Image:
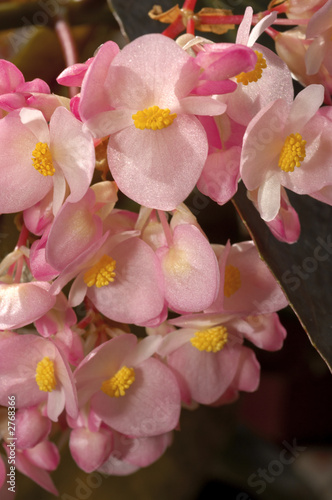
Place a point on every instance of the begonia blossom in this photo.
(151, 120)
(247, 286)
(129, 389)
(287, 146)
(43, 376)
(59, 156)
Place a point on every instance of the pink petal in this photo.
(136, 294)
(94, 93)
(31, 427)
(90, 449)
(35, 473)
(220, 176)
(16, 163)
(150, 407)
(73, 151)
(23, 303)
(74, 229)
(190, 269)
(10, 77)
(145, 163)
(245, 27)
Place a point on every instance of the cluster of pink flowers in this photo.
(162, 116)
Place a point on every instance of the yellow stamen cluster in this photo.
(153, 118)
(232, 280)
(45, 375)
(256, 73)
(210, 340)
(292, 153)
(119, 383)
(42, 159)
(102, 273)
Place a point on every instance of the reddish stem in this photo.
(166, 228)
(191, 26)
(22, 239)
(68, 47)
(272, 32)
(174, 29)
(189, 5)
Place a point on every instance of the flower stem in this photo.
(68, 47)
(166, 228)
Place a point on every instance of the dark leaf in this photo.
(133, 16)
(303, 269)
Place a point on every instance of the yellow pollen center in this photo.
(210, 340)
(232, 280)
(102, 273)
(292, 153)
(42, 159)
(117, 385)
(45, 375)
(255, 74)
(153, 118)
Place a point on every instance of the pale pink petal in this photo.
(143, 451)
(44, 455)
(73, 75)
(220, 176)
(190, 270)
(136, 294)
(31, 427)
(260, 27)
(202, 105)
(73, 151)
(265, 331)
(94, 93)
(90, 449)
(142, 63)
(16, 163)
(101, 363)
(145, 163)
(305, 105)
(262, 143)
(38, 475)
(150, 407)
(207, 374)
(34, 120)
(74, 229)
(268, 199)
(245, 27)
(23, 303)
(109, 122)
(314, 56)
(320, 21)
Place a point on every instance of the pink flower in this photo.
(130, 390)
(14, 90)
(257, 88)
(247, 286)
(43, 376)
(23, 303)
(57, 156)
(205, 356)
(149, 115)
(190, 270)
(319, 51)
(287, 146)
(286, 225)
(36, 463)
